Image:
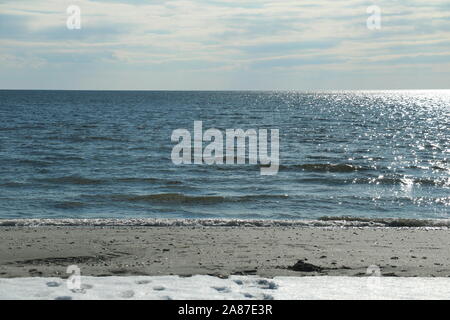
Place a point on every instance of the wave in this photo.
(37, 163)
(171, 198)
(77, 180)
(400, 180)
(90, 139)
(69, 205)
(339, 222)
(174, 198)
(13, 184)
(403, 180)
(63, 157)
(325, 167)
(71, 180)
(26, 127)
(312, 167)
(146, 180)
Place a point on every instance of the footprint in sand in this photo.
(35, 273)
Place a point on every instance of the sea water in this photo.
(107, 154)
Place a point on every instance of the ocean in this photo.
(107, 154)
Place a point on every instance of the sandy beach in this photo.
(47, 251)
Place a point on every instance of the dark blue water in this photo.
(107, 154)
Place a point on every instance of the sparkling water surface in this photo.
(85, 154)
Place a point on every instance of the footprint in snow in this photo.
(159, 288)
(53, 284)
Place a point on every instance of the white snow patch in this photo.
(235, 287)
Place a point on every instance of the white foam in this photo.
(235, 287)
(161, 222)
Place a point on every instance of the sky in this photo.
(225, 45)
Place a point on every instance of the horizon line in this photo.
(225, 90)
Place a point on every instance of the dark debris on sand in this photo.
(305, 267)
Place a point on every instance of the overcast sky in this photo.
(225, 44)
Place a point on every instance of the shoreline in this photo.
(239, 249)
(345, 221)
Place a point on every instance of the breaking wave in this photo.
(339, 222)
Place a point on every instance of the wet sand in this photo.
(47, 251)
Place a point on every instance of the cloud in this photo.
(288, 62)
(224, 40)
